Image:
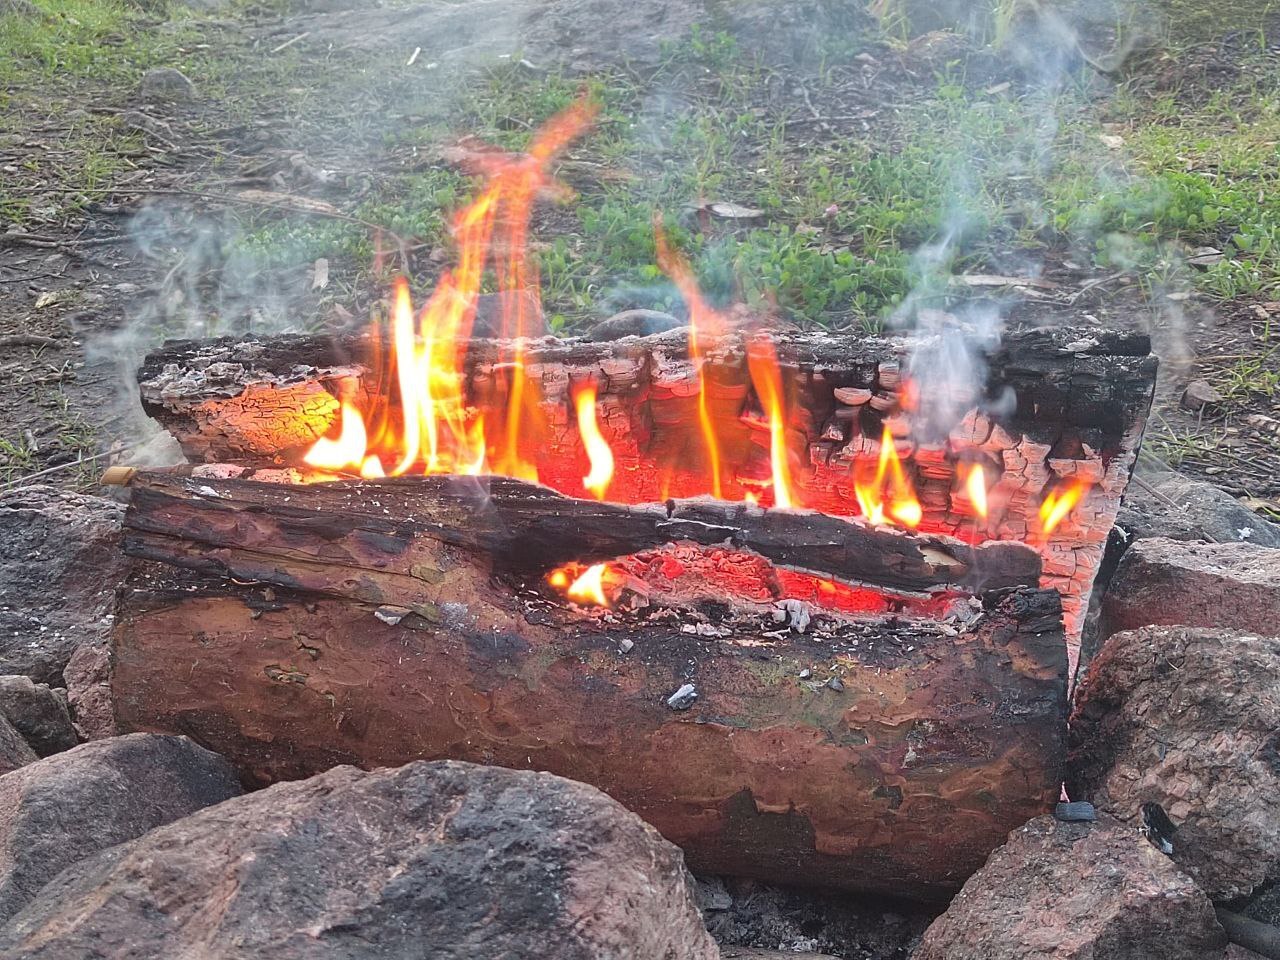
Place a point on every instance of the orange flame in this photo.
(888, 496)
(589, 586)
(702, 320)
(762, 362)
(1059, 502)
(975, 485)
(435, 431)
(598, 453)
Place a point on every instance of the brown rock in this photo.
(88, 677)
(1201, 395)
(58, 811)
(15, 752)
(1076, 891)
(1170, 582)
(39, 713)
(451, 860)
(60, 565)
(1188, 719)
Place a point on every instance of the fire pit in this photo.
(762, 586)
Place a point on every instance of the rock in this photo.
(1200, 395)
(1076, 891)
(633, 323)
(88, 678)
(760, 953)
(60, 564)
(166, 83)
(1187, 718)
(1184, 509)
(448, 859)
(1172, 582)
(65, 808)
(15, 752)
(39, 713)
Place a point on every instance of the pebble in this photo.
(683, 698)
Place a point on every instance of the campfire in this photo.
(734, 573)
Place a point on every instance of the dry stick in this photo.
(251, 202)
(290, 43)
(79, 461)
(26, 340)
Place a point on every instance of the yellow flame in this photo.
(888, 496)
(702, 320)
(1059, 502)
(347, 451)
(434, 430)
(598, 453)
(975, 486)
(589, 587)
(762, 363)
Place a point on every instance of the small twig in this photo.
(34, 276)
(79, 461)
(26, 340)
(251, 202)
(290, 43)
(413, 58)
(1094, 284)
(798, 121)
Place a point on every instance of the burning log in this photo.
(381, 622)
(1042, 457)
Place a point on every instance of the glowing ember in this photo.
(435, 431)
(589, 587)
(702, 321)
(975, 485)
(762, 362)
(601, 457)
(1059, 503)
(888, 495)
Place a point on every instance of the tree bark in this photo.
(888, 754)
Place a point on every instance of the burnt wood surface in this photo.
(897, 767)
(363, 540)
(229, 399)
(379, 623)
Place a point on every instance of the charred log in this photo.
(364, 540)
(897, 768)
(231, 399)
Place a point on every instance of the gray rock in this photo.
(1180, 508)
(1069, 891)
(451, 860)
(166, 83)
(39, 713)
(60, 565)
(1174, 582)
(58, 811)
(633, 323)
(15, 752)
(1187, 719)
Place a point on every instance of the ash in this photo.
(747, 913)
